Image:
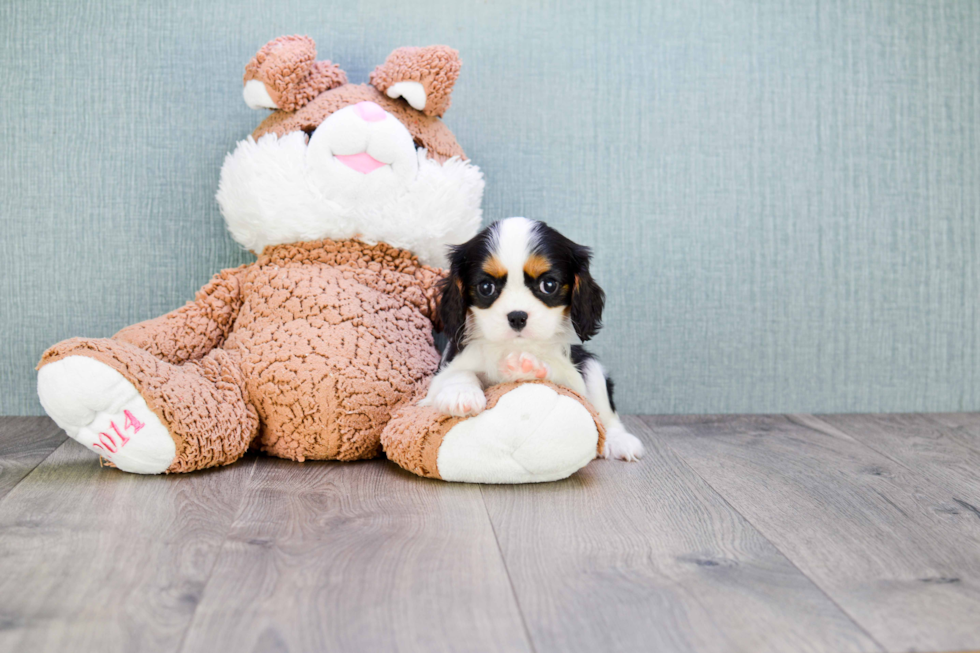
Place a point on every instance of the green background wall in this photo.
(784, 197)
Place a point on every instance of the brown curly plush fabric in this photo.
(436, 67)
(414, 435)
(304, 354)
(202, 402)
(292, 76)
(193, 330)
(428, 131)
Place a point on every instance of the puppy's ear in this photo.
(452, 302)
(588, 299)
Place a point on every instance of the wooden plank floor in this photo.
(735, 533)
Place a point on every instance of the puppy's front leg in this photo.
(456, 392)
(620, 443)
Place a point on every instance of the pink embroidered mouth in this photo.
(363, 162)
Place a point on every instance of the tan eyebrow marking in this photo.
(536, 265)
(494, 267)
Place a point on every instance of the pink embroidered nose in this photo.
(369, 111)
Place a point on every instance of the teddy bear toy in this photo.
(349, 195)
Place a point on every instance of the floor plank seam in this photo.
(217, 557)
(881, 647)
(939, 484)
(510, 582)
(947, 429)
(33, 470)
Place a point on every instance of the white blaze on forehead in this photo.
(513, 241)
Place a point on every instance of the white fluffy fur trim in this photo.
(266, 198)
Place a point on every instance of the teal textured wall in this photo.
(784, 197)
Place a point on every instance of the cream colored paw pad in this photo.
(533, 434)
(100, 409)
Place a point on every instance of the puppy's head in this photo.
(520, 279)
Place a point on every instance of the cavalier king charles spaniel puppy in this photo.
(516, 305)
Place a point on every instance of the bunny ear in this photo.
(423, 76)
(285, 75)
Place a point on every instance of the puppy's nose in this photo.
(517, 319)
(369, 111)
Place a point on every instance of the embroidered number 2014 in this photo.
(110, 444)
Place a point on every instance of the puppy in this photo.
(517, 301)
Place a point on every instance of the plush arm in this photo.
(195, 328)
(428, 279)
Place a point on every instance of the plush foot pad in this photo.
(532, 434)
(99, 408)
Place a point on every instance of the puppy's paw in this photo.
(522, 367)
(460, 400)
(622, 445)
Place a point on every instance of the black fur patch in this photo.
(570, 267)
(580, 356)
(458, 290)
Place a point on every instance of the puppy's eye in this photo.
(548, 286)
(486, 288)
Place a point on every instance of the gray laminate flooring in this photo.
(735, 533)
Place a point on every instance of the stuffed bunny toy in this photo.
(349, 195)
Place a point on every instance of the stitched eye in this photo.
(486, 288)
(548, 286)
